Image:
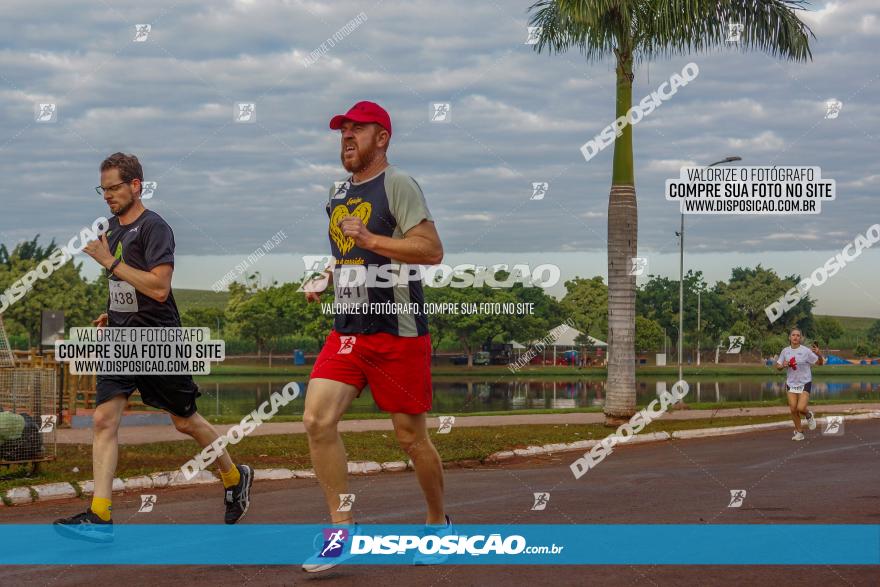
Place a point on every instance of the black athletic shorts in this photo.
(173, 393)
(808, 386)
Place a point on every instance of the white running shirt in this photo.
(804, 358)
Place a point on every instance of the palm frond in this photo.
(651, 28)
(675, 27)
(594, 33)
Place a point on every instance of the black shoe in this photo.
(238, 498)
(85, 526)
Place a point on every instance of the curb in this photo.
(659, 437)
(727, 430)
(67, 490)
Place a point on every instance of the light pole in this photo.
(680, 236)
(699, 326)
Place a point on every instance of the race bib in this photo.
(350, 296)
(795, 388)
(122, 297)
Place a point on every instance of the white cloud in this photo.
(804, 236)
(765, 141)
(517, 117)
(672, 167)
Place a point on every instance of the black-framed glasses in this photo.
(101, 190)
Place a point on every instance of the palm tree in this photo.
(634, 31)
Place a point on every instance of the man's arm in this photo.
(419, 246)
(315, 286)
(155, 283)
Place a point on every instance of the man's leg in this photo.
(326, 401)
(237, 479)
(95, 524)
(795, 411)
(412, 434)
(105, 452)
(204, 434)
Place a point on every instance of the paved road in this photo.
(821, 480)
(146, 434)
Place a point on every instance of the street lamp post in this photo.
(680, 236)
(699, 327)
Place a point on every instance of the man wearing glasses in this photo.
(138, 253)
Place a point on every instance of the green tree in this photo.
(258, 314)
(753, 336)
(548, 313)
(65, 289)
(205, 318)
(772, 345)
(864, 350)
(438, 324)
(750, 291)
(873, 333)
(826, 329)
(470, 327)
(629, 31)
(305, 318)
(586, 302)
(649, 335)
(657, 299)
(26, 251)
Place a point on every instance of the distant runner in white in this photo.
(799, 381)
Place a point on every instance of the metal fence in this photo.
(28, 412)
(6, 358)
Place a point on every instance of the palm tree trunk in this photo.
(620, 400)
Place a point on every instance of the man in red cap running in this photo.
(379, 225)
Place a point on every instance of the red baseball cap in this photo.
(363, 112)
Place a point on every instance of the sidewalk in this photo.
(147, 434)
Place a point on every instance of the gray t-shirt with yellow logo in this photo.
(390, 204)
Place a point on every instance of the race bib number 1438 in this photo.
(123, 297)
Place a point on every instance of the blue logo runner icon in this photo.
(334, 542)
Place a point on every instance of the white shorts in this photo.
(806, 387)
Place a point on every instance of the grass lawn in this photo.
(779, 402)
(190, 299)
(291, 451)
(220, 373)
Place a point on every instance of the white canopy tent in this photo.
(566, 339)
(568, 336)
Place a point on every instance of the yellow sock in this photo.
(231, 477)
(102, 508)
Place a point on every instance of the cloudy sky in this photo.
(516, 117)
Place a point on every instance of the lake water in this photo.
(237, 398)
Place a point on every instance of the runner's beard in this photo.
(360, 162)
(123, 209)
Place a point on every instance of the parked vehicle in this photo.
(480, 358)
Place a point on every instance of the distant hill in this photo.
(189, 299)
(853, 325)
(855, 330)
